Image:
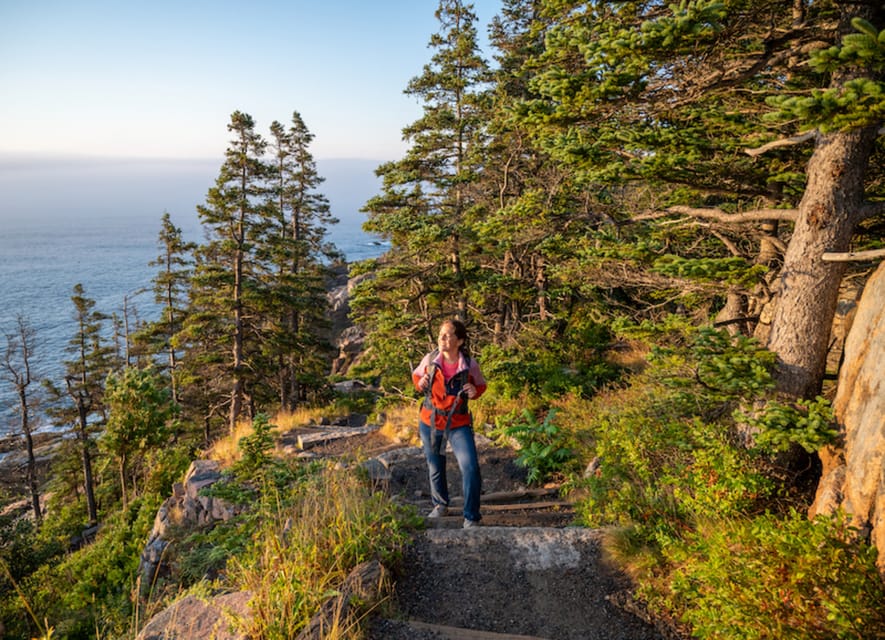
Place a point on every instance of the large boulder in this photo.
(194, 618)
(854, 471)
(224, 617)
(362, 589)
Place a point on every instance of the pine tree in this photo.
(842, 176)
(297, 254)
(221, 323)
(170, 287)
(676, 99)
(426, 196)
(81, 401)
(531, 214)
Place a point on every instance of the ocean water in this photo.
(47, 248)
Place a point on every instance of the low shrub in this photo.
(89, 591)
(660, 474)
(776, 577)
(544, 448)
(701, 520)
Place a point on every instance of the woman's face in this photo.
(447, 341)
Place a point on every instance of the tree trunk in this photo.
(541, 287)
(236, 394)
(732, 316)
(501, 313)
(455, 261)
(173, 362)
(32, 461)
(122, 470)
(808, 287)
(88, 488)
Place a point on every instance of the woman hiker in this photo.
(448, 376)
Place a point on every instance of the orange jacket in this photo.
(443, 395)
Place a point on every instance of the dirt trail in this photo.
(525, 573)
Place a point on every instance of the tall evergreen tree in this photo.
(224, 285)
(170, 287)
(843, 176)
(532, 214)
(298, 251)
(81, 401)
(425, 200)
(202, 341)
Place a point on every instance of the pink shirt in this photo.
(449, 369)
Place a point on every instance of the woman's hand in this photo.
(469, 389)
(424, 381)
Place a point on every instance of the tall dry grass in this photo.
(307, 544)
(400, 423)
(227, 450)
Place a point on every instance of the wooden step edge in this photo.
(521, 506)
(543, 519)
(527, 506)
(511, 496)
(457, 633)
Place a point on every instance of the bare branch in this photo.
(778, 244)
(854, 256)
(757, 215)
(731, 246)
(783, 142)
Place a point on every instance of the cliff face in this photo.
(344, 335)
(854, 472)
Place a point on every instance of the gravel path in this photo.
(539, 582)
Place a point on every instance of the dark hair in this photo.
(461, 334)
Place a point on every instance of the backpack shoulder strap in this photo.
(464, 374)
(431, 364)
(432, 367)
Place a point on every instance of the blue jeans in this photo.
(464, 447)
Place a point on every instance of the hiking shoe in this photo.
(469, 524)
(438, 511)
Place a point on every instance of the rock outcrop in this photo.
(194, 618)
(362, 589)
(216, 617)
(346, 336)
(186, 507)
(854, 472)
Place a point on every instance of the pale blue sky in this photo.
(159, 79)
